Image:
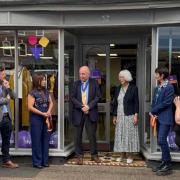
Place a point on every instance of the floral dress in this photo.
(126, 133)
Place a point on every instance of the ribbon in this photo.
(83, 88)
(153, 122)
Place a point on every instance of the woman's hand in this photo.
(135, 119)
(114, 120)
(151, 115)
(45, 114)
(49, 113)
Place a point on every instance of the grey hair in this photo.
(126, 74)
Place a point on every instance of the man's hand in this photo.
(85, 109)
(6, 83)
(8, 97)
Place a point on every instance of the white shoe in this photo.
(119, 159)
(129, 161)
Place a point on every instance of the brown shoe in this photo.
(10, 164)
(96, 159)
(79, 161)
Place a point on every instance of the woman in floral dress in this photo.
(125, 117)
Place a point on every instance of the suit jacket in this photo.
(76, 99)
(130, 101)
(162, 106)
(4, 100)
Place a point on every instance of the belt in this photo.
(5, 114)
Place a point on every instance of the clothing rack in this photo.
(45, 70)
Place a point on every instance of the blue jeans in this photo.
(163, 131)
(5, 128)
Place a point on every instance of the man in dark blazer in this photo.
(5, 118)
(84, 97)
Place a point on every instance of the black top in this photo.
(130, 101)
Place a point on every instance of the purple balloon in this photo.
(24, 139)
(53, 142)
(171, 141)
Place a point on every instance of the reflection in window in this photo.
(37, 52)
(68, 83)
(169, 56)
(96, 61)
(7, 56)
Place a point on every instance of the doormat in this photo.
(109, 159)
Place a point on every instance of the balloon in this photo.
(53, 143)
(171, 141)
(24, 139)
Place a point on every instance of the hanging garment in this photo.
(26, 88)
(11, 104)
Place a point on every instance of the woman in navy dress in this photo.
(40, 106)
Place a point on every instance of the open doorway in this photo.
(105, 62)
(121, 57)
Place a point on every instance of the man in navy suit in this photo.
(162, 109)
(85, 96)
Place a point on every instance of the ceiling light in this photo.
(46, 57)
(101, 54)
(7, 47)
(113, 54)
(112, 45)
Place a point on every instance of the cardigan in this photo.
(130, 101)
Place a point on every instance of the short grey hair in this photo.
(126, 74)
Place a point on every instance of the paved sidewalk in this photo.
(69, 172)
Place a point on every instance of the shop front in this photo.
(57, 39)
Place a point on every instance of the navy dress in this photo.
(39, 133)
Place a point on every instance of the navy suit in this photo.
(79, 118)
(162, 108)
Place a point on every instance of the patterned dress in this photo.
(126, 133)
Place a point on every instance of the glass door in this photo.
(96, 57)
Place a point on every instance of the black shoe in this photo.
(37, 166)
(165, 170)
(45, 165)
(155, 169)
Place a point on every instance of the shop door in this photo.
(96, 57)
